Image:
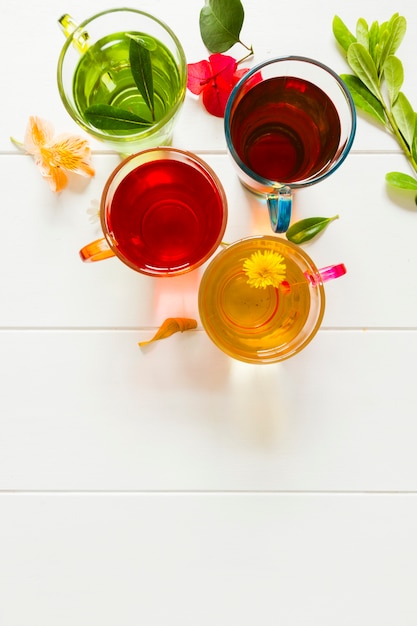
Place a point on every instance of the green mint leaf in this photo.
(304, 230)
(373, 39)
(393, 36)
(363, 65)
(414, 145)
(363, 98)
(404, 117)
(394, 77)
(141, 68)
(401, 181)
(380, 46)
(377, 83)
(342, 34)
(107, 117)
(362, 32)
(220, 24)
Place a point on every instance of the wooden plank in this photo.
(190, 559)
(87, 410)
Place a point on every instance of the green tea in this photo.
(103, 76)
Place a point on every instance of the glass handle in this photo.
(279, 207)
(96, 251)
(326, 273)
(69, 27)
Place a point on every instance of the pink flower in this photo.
(214, 80)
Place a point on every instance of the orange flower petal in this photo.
(170, 326)
(58, 179)
(55, 176)
(67, 153)
(73, 154)
(39, 133)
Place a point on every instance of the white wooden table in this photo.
(173, 485)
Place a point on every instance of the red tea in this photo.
(166, 216)
(285, 129)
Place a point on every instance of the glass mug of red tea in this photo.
(289, 123)
(262, 300)
(163, 212)
(122, 77)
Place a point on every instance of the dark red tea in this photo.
(166, 216)
(285, 129)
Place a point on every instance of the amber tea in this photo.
(260, 324)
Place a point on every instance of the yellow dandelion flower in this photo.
(56, 156)
(265, 268)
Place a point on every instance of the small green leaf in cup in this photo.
(141, 68)
(107, 117)
(306, 229)
(144, 40)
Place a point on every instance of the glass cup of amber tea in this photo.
(163, 212)
(122, 77)
(262, 300)
(289, 123)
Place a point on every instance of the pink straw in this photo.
(326, 273)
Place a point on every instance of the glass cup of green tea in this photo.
(122, 77)
(163, 212)
(262, 300)
(289, 123)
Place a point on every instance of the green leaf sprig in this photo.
(221, 22)
(109, 117)
(376, 82)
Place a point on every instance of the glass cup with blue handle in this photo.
(289, 123)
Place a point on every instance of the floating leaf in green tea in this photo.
(141, 68)
(107, 117)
